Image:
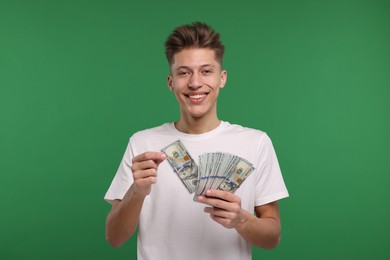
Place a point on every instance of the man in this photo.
(147, 193)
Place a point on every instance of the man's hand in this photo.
(225, 207)
(262, 230)
(144, 168)
(123, 218)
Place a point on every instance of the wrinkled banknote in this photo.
(182, 164)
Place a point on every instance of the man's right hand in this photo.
(144, 168)
(123, 218)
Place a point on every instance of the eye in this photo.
(207, 71)
(183, 73)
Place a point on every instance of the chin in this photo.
(196, 114)
(198, 111)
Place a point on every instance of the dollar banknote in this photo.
(182, 164)
(222, 171)
(237, 174)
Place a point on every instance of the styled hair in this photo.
(195, 35)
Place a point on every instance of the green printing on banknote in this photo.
(182, 164)
(221, 171)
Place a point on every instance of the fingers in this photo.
(145, 180)
(144, 173)
(141, 165)
(219, 200)
(228, 219)
(157, 157)
(214, 196)
(144, 168)
(146, 164)
(225, 207)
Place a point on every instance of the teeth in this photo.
(197, 96)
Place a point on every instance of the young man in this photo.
(146, 192)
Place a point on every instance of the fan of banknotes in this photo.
(220, 171)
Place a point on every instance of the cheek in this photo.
(179, 84)
(216, 84)
(178, 95)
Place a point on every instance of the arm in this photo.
(262, 230)
(122, 220)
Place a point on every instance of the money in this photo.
(217, 171)
(236, 176)
(182, 164)
(221, 171)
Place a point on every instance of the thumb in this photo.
(161, 159)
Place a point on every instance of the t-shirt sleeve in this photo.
(123, 177)
(270, 185)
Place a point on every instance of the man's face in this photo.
(195, 79)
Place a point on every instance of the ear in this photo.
(223, 78)
(170, 83)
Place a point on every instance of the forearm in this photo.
(261, 232)
(122, 221)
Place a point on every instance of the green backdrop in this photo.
(77, 78)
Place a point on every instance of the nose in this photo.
(195, 81)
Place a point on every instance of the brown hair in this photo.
(195, 35)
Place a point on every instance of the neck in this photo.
(194, 125)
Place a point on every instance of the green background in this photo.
(77, 78)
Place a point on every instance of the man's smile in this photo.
(196, 97)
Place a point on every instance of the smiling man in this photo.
(196, 78)
(148, 194)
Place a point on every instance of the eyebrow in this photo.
(202, 66)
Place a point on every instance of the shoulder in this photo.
(151, 139)
(248, 132)
(251, 138)
(154, 132)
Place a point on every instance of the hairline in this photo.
(199, 48)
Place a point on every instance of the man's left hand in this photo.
(225, 207)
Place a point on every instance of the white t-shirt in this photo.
(171, 225)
